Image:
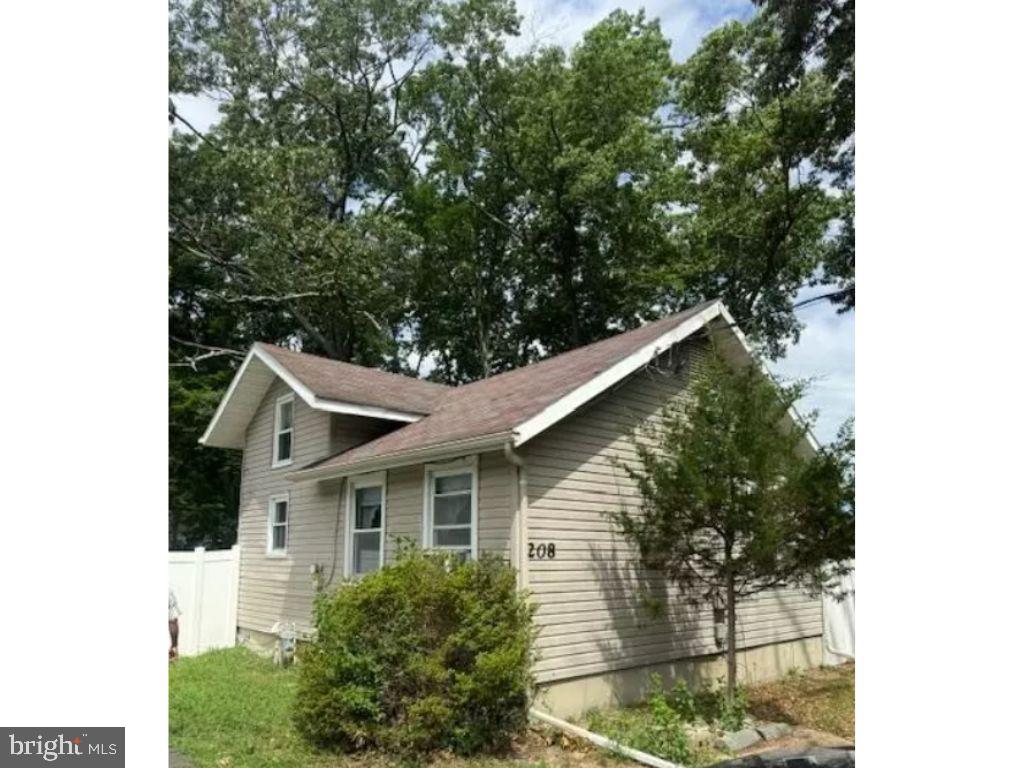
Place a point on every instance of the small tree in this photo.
(731, 506)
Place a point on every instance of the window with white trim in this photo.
(277, 525)
(451, 510)
(284, 430)
(366, 524)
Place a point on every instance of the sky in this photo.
(824, 354)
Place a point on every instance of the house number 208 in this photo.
(542, 551)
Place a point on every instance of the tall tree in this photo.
(313, 145)
(730, 508)
(545, 206)
(280, 223)
(819, 34)
(762, 204)
(463, 211)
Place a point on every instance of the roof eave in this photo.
(438, 452)
(562, 407)
(211, 438)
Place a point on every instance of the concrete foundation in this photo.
(571, 698)
(261, 643)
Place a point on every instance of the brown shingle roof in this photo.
(347, 383)
(498, 404)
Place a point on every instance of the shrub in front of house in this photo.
(425, 654)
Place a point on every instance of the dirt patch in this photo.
(819, 700)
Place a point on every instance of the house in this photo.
(339, 461)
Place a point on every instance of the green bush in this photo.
(713, 707)
(656, 728)
(658, 725)
(425, 654)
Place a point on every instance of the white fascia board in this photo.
(591, 389)
(793, 413)
(307, 395)
(227, 396)
(431, 453)
(373, 411)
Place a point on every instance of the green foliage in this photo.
(818, 36)
(203, 484)
(231, 707)
(714, 706)
(734, 502)
(680, 698)
(709, 703)
(656, 727)
(421, 655)
(659, 725)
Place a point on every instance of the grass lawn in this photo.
(821, 699)
(232, 709)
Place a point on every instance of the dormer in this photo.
(360, 403)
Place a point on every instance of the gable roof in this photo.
(348, 383)
(327, 385)
(504, 410)
(517, 405)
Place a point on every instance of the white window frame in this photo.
(371, 480)
(468, 465)
(272, 503)
(276, 461)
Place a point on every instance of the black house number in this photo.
(542, 551)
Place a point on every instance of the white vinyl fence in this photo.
(839, 618)
(206, 586)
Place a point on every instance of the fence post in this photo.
(197, 598)
(233, 593)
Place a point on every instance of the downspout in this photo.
(521, 500)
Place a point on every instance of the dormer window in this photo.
(284, 416)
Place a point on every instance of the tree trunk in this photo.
(730, 638)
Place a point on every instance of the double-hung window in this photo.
(284, 416)
(366, 524)
(277, 525)
(451, 508)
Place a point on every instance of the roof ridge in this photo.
(689, 311)
(497, 406)
(331, 360)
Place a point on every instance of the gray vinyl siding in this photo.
(494, 505)
(590, 615)
(274, 589)
(271, 588)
